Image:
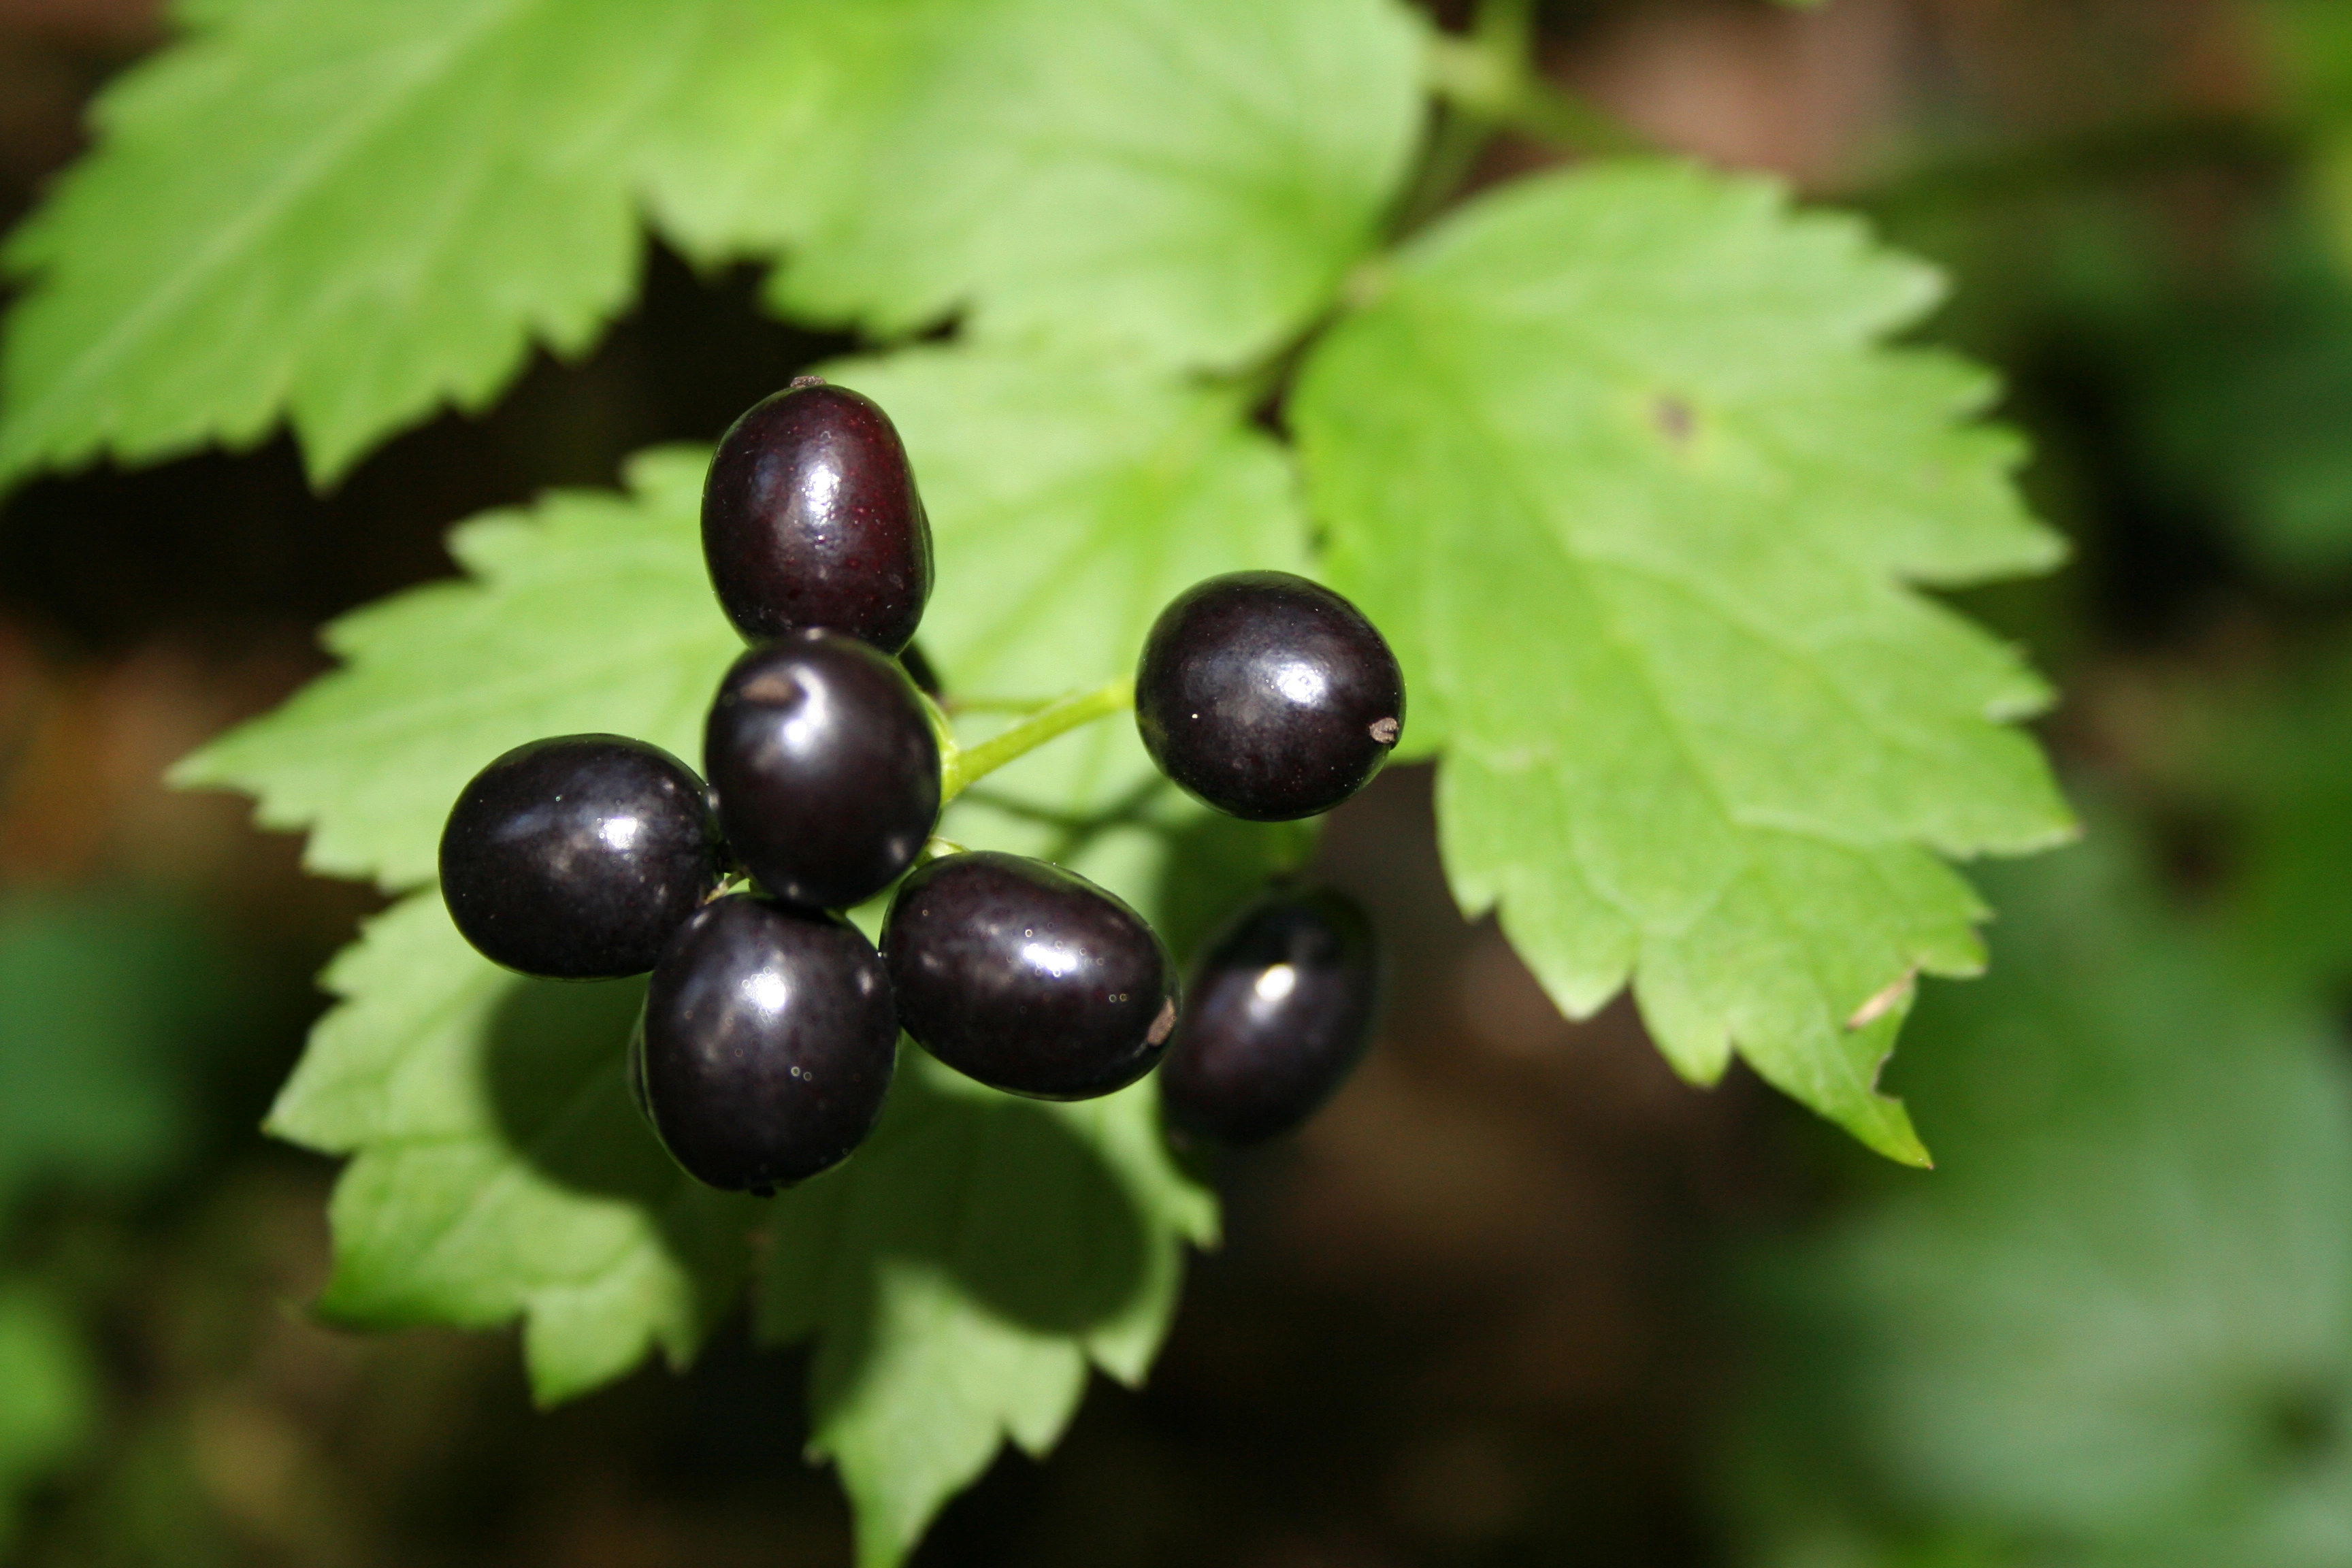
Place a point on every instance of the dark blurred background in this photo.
(1520, 1296)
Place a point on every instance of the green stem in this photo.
(1489, 76)
(962, 764)
(937, 848)
(1456, 141)
(995, 704)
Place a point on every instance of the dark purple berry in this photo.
(1267, 696)
(1278, 1011)
(809, 517)
(825, 767)
(1027, 977)
(574, 859)
(767, 1044)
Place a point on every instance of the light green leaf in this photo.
(340, 213)
(1181, 181)
(1617, 462)
(345, 214)
(961, 1275)
(589, 613)
(2118, 1320)
(500, 1170)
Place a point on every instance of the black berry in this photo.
(1278, 1011)
(1027, 977)
(826, 766)
(767, 1044)
(1267, 696)
(809, 517)
(574, 859)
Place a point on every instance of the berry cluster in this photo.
(770, 1030)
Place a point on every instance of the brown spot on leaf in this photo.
(1675, 418)
(1885, 1001)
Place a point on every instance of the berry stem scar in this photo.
(959, 766)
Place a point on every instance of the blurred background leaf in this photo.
(113, 1002)
(2118, 1324)
(107, 998)
(48, 1393)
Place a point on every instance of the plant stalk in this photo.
(960, 765)
(1490, 77)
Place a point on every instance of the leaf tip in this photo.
(549, 1385)
(200, 769)
(328, 460)
(16, 468)
(1892, 1135)
(341, 1306)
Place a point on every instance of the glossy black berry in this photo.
(767, 1044)
(1278, 1009)
(575, 857)
(1027, 977)
(826, 770)
(1267, 696)
(809, 517)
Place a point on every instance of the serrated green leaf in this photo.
(1183, 182)
(589, 613)
(500, 1170)
(343, 213)
(1617, 462)
(2118, 1320)
(347, 214)
(961, 1275)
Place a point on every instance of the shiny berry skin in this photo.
(826, 770)
(574, 859)
(767, 1044)
(1027, 977)
(1267, 696)
(1278, 1009)
(809, 517)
